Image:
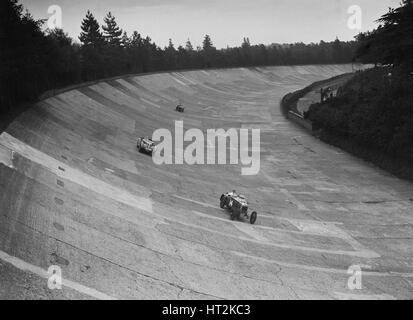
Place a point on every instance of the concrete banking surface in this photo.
(76, 194)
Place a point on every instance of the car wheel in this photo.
(253, 218)
(233, 216)
(222, 202)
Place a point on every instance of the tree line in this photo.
(33, 61)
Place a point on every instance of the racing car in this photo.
(237, 205)
(180, 108)
(146, 145)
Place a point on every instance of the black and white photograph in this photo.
(208, 152)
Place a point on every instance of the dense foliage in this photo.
(392, 41)
(33, 61)
(375, 109)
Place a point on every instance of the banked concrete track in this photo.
(74, 192)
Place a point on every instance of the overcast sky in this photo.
(226, 21)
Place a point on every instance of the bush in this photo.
(374, 109)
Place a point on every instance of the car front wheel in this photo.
(253, 218)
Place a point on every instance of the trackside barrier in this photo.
(299, 119)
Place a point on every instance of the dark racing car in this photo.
(180, 108)
(237, 206)
(146, 145)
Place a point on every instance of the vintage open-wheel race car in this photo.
(146, 145)
(180, 108)
(237, 206)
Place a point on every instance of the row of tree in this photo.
(122, 53)
(33, 61)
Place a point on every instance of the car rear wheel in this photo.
(233, 216)
(253, 217)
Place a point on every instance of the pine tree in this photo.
(397, 34)
(207, 44)
(246, 43)
(337, 51)
(188, 46)
(391, 42)
(209, 52)
(171, 46)
(136, 40)
(91, 51)
(91, 34)
(112, 32)
(246, 52)
(126, 41)
(171, 55)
